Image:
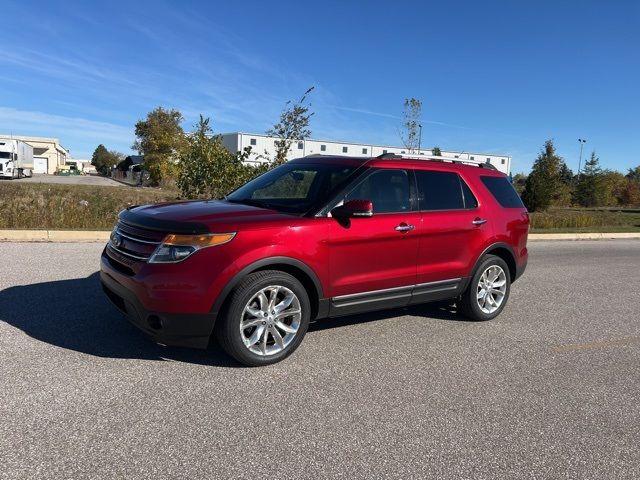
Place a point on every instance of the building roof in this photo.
(27, 139)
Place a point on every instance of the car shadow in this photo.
(441, 310)
(75, 314)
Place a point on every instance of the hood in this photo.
(200, 216)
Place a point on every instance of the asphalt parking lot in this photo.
(549, 389)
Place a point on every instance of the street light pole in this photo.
(582, 142)
(419, 139)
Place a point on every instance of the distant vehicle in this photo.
(16, 158)
(317, 237)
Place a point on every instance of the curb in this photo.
(85, 236)
(583, 236)
(72, 236)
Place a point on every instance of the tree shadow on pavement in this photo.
(76, 315)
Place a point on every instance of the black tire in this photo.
(227, 329)
(469, 302)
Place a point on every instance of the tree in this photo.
(591, 188)
(630, 194)
(104, 159)
(542, 186)
(208, 169)
(161, 140)
(519, 181)
(634, 174)
(411, 115)
(614, 184)
(435, 151)
(293, 125)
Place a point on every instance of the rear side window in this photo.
(503, 191)
(443, 191)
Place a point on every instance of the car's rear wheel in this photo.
(488, 290)
(266, 318)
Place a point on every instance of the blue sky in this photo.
(497, 77)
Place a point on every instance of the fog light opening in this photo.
(154, 322)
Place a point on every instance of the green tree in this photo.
(293, 125)
(410, 134)
(104, 159)
(519, 181)
(208, 170)
(634, 174)
(591, 188)
(161, 140)
(614, 187)
(543, 185)
(435, 151)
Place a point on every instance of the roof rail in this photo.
(397, 156)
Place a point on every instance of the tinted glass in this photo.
(439, 190)
(469, 199)
(503, 191)
(293, 188)
(387, 189)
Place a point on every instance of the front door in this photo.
(373, 260)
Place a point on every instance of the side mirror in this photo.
(353, 209)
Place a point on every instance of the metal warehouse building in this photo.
(47, 153)
(264, 146)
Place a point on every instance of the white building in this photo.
(48, 154)
(263, 148)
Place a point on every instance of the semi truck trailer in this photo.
(16, 158)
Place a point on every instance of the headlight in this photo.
(175, 248)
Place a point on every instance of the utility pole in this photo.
(419, 139)
(582, 142)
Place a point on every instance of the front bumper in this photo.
(184, 330)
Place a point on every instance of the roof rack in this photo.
(397, 156)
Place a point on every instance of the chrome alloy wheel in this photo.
(270, 320)
(492, 288)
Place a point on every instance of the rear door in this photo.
(373, 260)
(453, 232)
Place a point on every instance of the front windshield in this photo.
(293, 188)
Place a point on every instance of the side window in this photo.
(388, 190)
(470, 200)
(442, 191)
(502, 191)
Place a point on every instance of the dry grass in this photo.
(586, 220)
(77, 207)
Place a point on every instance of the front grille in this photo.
(136, 243)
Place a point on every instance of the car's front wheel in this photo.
(488, 290)
(266, 318)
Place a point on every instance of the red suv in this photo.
(317, 237)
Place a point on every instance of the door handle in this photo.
(479, 221)
(403, 227)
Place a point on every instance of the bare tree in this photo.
(410, 128)
(293, 125)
